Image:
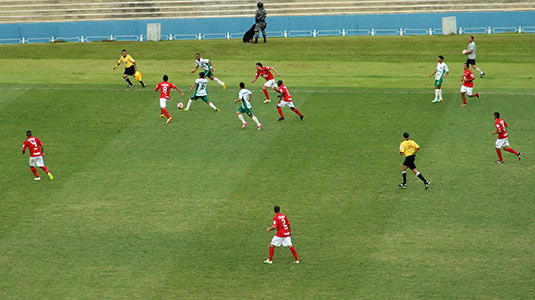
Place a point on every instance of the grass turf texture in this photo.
(144, 210)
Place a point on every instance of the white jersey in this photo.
(472, 46)
(442, 68)
(245, 96)
(204, 63)
(200, 89)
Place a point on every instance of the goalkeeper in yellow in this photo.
(409, 148)
(130, 68)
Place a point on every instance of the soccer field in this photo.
(144, 210)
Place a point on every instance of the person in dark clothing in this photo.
(260, 24)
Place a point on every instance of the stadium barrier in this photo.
(283, 34)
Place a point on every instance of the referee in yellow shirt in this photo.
(130, 67)
(409, 148)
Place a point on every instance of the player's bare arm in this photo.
(191, 88)
(433, 74)
(252, 81)
(272, 228)
(446, 74)
(135, 66)
(211, 67)
(274, 70)
(178, 89)
(416, 151)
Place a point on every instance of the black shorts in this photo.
(130, 71)
(409, 162)
(470, 62)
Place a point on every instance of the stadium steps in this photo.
(13, 11)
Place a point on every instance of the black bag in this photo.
(249, 35)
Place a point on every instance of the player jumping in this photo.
(409, 148)
(165, 91)
(245, 97)
(502, 140)
(270, 80)
(130, 67)
(283, 236)
(200, 92)
(440, 74)
(286, 100)
(36, 155)
(468, 84)
(207, 67)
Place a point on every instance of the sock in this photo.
(271, 251)
(128, 80)
(499, 152)
(294, 253)
(440, 94)
(404, 173)
(511, 150)
(464, 101)
(166, 113)
(142, 84)
(189, 103)
(212, 105)
(34, 171)
(480, 72)
(240, 116)
(256, 120)
(421, 177)
(280, 112)
(45, 169)
(218, 81)
(296, 111)
(436, 94)
(266, 93)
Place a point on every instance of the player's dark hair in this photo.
(441, 57)
(279, 82)
(165, 78)
(497, 114)
(406, 135)
(123, 50)
(29, 132)
(242, 85)
(198, 54)
(201, 74)
(472, 37)
(277, 208)
(259, 64)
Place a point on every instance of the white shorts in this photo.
(283, 103)
(502, 143)
(285, 241)
(271, 83)
(37, 161)
(163, 102)
(467, 90)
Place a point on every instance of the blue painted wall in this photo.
(235, 25)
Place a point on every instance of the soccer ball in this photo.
(464, 51)
(179, 105)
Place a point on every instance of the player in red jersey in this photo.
(285, 100)
(36, 155)
(283, 236)
(468, 84)
(165, 91)
(270, 80)
(502, 141)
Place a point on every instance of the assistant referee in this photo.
(130, 67)
(409, 148)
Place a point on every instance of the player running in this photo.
(36, 155)
(270, 80)
(207, 67)
(468, 84)
(283, 236)
(130, 67)
(245, 97)
(409, 148)
(200, 92)
(285, 100)
(502, 140)
(440, 74)
(165, 91)
(471, 55)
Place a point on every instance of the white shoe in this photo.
(269, 262)
(243, 125)
(37, 178)
(296, 262)
(260, 127)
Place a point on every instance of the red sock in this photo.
(34, 171)
(499, 154)
(280, 112)
(296, 111)
(161, 111)
(511, 150)
(294, 253)
(45, 169)
(271, 251)
(165, 112)
(266, 93)
(464, 101)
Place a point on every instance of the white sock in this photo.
(440, 94)
(256, 120)
(240, 116)
(480, 72)
(218, 81)
(189, 103)
(436, 94)
(212, 105)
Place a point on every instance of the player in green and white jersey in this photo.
(206, 66)
(440, 73)
(200, 92)
(245, 97)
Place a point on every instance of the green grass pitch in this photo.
(144, 210)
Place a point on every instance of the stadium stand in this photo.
(19, 11)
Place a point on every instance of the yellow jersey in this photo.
(408, 147)
(127, 60)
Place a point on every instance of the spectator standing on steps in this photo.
(260, 18)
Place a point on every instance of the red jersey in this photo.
(282, 224)
(165, 89)
(265, 73)
(501, 125)
(34, 144)
(285, 93)
(467, 76)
